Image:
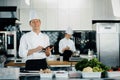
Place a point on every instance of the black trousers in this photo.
(67, 54)
(36, 64)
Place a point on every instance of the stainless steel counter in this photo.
(37, 77)
(9, 72)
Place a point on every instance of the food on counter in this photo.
(110, 70)
(119, 69)
(87, 69)
(94, 69)
(45, 70)
(93, 63)
(114, 69)
(97, 69)
(81, 64)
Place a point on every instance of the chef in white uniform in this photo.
(32, 43)
(66, 45)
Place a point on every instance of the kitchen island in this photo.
(50, 63)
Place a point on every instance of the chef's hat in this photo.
(69, 30)
(33, 15)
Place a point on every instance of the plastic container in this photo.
(91, 74)
(75, 74)
(113, 74)
(47, 75)
(61, 74)
(9, 73)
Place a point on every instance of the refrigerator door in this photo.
(109, 49)
(108, 43)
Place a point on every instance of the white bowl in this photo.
(113, 74)
(46, 75)
(91, 74)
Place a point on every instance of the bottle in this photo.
(89, 53)
(61, 58)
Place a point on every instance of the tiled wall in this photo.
(85, 40)
(54, 35)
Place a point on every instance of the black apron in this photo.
(67, 54)
(36, 64)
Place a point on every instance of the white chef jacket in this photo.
(66, 42)
(31, 40)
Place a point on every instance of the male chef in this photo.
(32, 44)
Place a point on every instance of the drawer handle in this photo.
(107, 28)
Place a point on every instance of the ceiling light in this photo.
(27, 2)
(116, 7)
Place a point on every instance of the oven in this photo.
(8, 43)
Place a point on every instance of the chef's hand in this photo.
(48, 50)
(31, 51)
(39, 48)
(66, 48)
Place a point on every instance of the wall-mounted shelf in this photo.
(7, 17)
(7, 8)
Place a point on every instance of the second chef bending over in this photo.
(66, 45)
